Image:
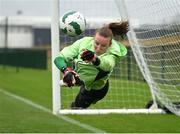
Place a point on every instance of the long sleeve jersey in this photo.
(93, 77)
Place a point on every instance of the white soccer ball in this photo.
(72, 23)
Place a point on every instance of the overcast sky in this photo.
(90, 8)
(151, 11)
(25, 7)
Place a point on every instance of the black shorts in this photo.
(85, 98)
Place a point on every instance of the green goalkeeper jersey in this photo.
(93, 77)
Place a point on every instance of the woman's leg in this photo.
(85, 98)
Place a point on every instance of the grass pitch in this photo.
(35, 85)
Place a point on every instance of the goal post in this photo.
(148, 72)
(54, 52)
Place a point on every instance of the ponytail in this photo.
(119, 28)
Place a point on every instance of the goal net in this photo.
(129, 91)
(155, 40)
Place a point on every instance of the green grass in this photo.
(35, 85)
(15, 116)
(133, 123)
(31, 84)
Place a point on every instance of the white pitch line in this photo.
(65, 118)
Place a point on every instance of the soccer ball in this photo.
(72, 23)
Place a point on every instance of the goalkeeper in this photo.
(95, 58)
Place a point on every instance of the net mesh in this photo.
(155, 39)
(128, 89)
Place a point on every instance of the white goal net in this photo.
(155, 39)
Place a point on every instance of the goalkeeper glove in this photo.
(89, 56)
(69, 76)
